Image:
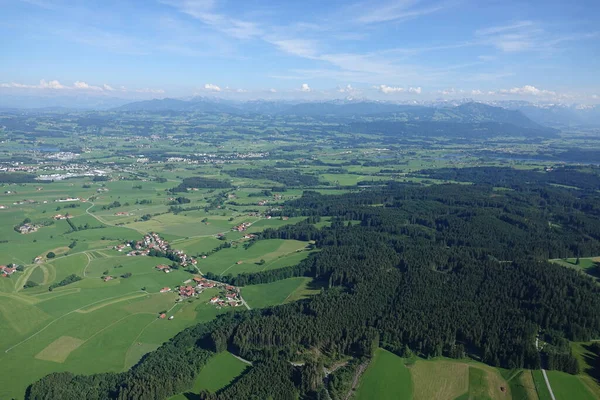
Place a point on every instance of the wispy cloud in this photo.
(205, 11)
(395, 10)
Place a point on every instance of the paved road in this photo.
(537, 346)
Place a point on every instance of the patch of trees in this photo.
(513, 178)
(101, 178)
(114, 204)
(15, 177)
(200, 182)
(30, 284)
(68, 280)
(179, 200)
(288, 177)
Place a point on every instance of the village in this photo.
(230, 295)
(153, 244)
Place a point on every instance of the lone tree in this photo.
(50, 254)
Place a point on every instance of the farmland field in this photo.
(386, 378)
(220, 370)
(568, 387)
(272, 294)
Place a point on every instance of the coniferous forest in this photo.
(454, 270)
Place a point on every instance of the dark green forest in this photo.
(454, 270)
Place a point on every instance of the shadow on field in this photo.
(593, 361)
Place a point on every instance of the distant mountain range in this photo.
(519, 113)
(370, 111)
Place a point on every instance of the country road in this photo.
(537, 342)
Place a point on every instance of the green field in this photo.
(218, 372)
(276, 253)
(386, 378)
(114, 323)
(567, 387)
(272, 294)
(540, 385)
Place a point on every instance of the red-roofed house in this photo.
(186, 291)
(165, 290)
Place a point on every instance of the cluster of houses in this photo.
(153, 241)
(232, 298)
(60, 216)
(242, 227)
(69, 199)
(28, 228)
(7, 270)
(22, 202)
(229, 297)
(122, 214)
(108, 278)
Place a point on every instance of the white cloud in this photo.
(85, 86)
(305, 88)
(241, 90)
(416, 90)
(527, 90)
(390, 89)
(346, 89)
(273, 90)
(211, 87)
(595, 97)
(476, 92)
(108, 88)
(54, 84)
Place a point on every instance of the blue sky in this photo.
(392, 49)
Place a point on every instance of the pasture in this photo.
(274, 293)
(566, 386)
(386, 378)
(220, 370)
(112, 323)
(276, 253)
(452, 379)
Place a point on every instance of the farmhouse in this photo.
(198, 280)
(241, 227)
(28, 228)
(162, 316)
(3, 207)
(165, 290)
(60, 216)
(165, 268)
(6, 271)
(214, 300)
(186, 291)
(107, 278)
